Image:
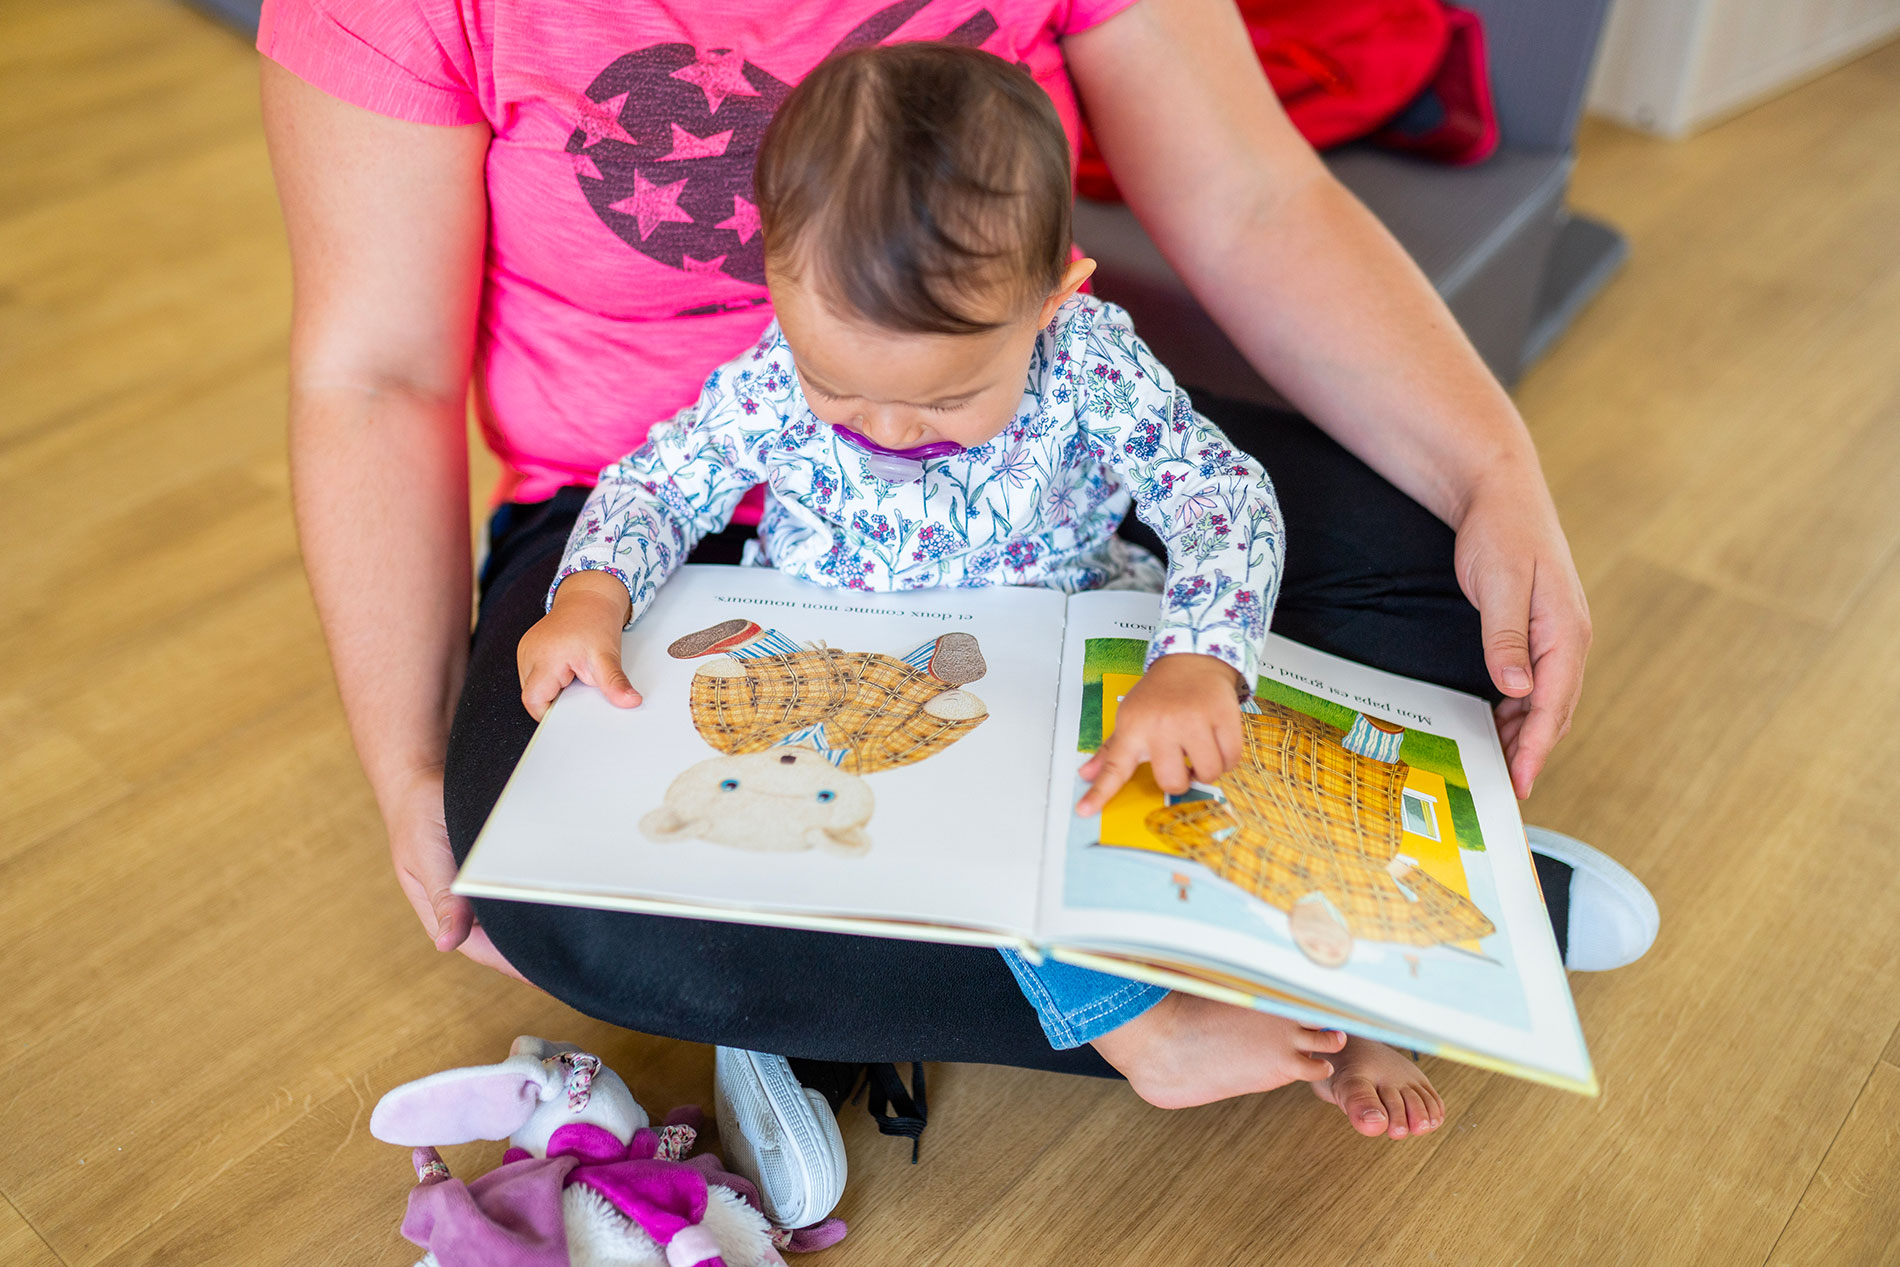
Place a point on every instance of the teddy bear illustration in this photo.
(1310, 822)
(799, 725)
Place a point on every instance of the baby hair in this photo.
(923, 187)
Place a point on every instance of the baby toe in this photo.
(1322, 1040)
(1417, 1119)
(1395, 1112)
(1363, 1107)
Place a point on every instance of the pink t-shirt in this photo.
(624, 258)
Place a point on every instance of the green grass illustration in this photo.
(1421, 749)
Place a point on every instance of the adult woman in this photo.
(500, 197)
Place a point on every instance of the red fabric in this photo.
(1464, 126)
(1342, 68)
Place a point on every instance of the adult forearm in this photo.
(1326, 304)
(380, 478)
(1305, 281)
(1328, 307)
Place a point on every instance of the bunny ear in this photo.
(457, 1106)
(538, 1048)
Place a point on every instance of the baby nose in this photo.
(888, 428)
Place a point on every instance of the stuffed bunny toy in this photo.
(586, 1182)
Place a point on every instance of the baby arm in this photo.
(644, 517)
(1215, 508)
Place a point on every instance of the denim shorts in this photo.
(1079, 1005)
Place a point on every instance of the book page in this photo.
(1366, 858)
(802, 755)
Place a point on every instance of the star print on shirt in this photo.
(686, 145)
(653, 205)
(719, 73)
(703, 268)
(743, 221)
(674, 111)
(600, 120)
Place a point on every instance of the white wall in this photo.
(1672, 66)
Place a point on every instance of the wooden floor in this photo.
(209, 976)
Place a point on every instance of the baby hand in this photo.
(1182, 718)
(578, 638)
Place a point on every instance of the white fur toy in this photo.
(586, 1181)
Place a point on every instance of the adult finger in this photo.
(1559, 683)
(425, 874)
(1501, 590)
(1510, 714)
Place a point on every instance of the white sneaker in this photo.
(1613, 918)
(779, 1134)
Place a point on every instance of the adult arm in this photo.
(1330, 309)
(387, 222)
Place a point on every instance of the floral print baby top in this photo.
(1101, 425)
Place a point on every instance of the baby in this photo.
(938, 404)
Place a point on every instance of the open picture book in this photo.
(905, 765)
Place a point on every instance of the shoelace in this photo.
(898, 1112)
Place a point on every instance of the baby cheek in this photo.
(829, 412)
(974, 426)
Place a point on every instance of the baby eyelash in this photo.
(814, 390)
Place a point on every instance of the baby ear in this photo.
(458, 1106)
(667, 823)
(847, 840)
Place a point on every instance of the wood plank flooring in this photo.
(209, 975)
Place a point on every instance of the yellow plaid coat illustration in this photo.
(868, 705)
(1304, 816)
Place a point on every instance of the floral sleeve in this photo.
(653, 506)
(1209, 502)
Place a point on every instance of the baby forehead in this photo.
(843, 356)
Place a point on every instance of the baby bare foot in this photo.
(1186, 1050)
(1381, 1092)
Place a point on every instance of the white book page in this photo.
(1121, 883)
(631, 808)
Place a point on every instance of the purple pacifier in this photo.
(895, 466)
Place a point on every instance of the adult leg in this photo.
(818, 995)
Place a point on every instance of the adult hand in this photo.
(1514, 564)
(425, 866)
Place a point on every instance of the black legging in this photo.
(1368, 577)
